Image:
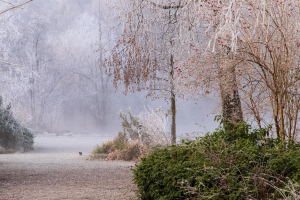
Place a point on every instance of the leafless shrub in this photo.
(154, 123)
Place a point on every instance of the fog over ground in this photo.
(59, 85)
(49, 148)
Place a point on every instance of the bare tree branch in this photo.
(8, 63)
(167, 7)
(14, 6)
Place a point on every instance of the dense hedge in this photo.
(221, 165)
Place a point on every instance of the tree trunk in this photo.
(102, 97)
(173, 125)
(32, 106)
(231, 103)
(282, 128)
(173, 104)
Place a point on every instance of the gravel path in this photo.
(56, 171)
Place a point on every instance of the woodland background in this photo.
(50, 57)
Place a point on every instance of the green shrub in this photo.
(223, 165)
(12, 137)
(28, 139)
(10, 129)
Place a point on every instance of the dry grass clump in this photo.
(122, 149)
(134, 151)
(140, 134)
(105, 148)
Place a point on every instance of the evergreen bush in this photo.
(234, 164)
(28, 139)
(10, 129)
(12, 137)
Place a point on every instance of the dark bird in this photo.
(80, 153)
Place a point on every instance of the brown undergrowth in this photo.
(140, 134)
(121, 148)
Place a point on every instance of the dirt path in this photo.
(56, 171)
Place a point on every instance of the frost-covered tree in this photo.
(253, 45)
(268, 41)
(14, 75)
(145, 54)
(38, 98)
(36, 57)
(210, 59)
(80, 50)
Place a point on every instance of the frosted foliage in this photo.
(219, 45)
(154, 123)
(13, 75)
(185, 27)
(76, 48)
(262, 38)
(269, 40)
(149, 127)
(259, 38)
(155, 30)
(79, 52)
(9, 31)
(79, 40)
(148, 48)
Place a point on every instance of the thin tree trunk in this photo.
(282, 129)
(295, 123)
(173, 104)
(102, 90)
(32, 106)
(173, 125)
